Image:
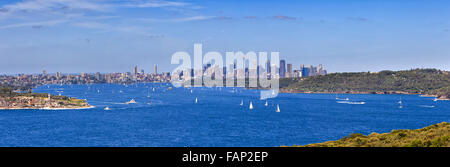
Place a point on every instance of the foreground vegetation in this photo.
(437, 135)
(418, 81)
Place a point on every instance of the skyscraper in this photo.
(156, 69)
(305, 71)
(282, 68)
(289, 70)
(44, 72)
(135, 70)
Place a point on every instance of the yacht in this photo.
(267, 104)
(107, 108)
(278, 108)
(131, 102)
(251, 106)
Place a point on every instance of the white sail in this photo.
(251, 106)
(131, 102)
(242, 103)
(278, 108)
(196, 100)
(107, 108)
(267, 104)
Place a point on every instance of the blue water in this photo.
(171, 118)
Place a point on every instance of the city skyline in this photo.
(105, 36)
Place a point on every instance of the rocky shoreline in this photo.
(37, 101)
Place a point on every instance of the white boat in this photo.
(251, 106)
(435, 99)
(278, 108)
(131, 102)
(196, 100)
(192, 91)
(267, 104)
(357, 102)
(242, 103)
(106, 108)
(153, 89)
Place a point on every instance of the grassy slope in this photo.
(423, 81)
(437, 135)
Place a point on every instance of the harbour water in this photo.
(175, 118)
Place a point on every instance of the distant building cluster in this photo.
(283, 71)
(28, 81)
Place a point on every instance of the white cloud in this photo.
(184, 19)
(45, 5)
(156, 4)
(34, 24)
(139, 30)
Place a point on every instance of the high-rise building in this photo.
(156, 69)
(135, 70)
(44, 72)
(305, 71)
(289, 70)
(97, 76)
(282, 68)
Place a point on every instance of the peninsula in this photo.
(13, 100)
(427, 82)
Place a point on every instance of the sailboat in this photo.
(196, 100)
(107, 108)
(278, 108)
(131, 102)
(267, 104)
(251, 106)
(192, 91)
(153, 89)
(148, 94)
(242, 103)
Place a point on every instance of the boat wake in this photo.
(349, 102)
(426, 106)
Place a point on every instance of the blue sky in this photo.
(73, 36)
